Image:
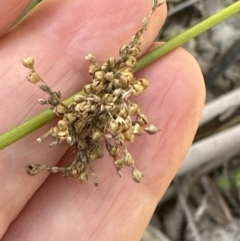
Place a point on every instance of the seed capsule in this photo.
(93, 68)
(122, 111)
(109, 76)
(42, 101)
(131, 61)
(127, 158)
(59, 109)
(137, 88)
(114, 151)
(129, 135)
(126, 77)
(70, 117)
(79, 98)
(113, 126)
(133, 109)
(118, 163)
(152, 129)
(134, 51)
(137, 175)
(137, 130)
(83, 177)
(97, 136)
(28, 62)
(91, 58)
(33, 77)
(88, 89)
(142, 119)
(99, 75)
(112, 62)
(123, 50)
(62, 125)
(144, 83)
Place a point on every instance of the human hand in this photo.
(58, 35)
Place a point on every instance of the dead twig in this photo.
(187, 212)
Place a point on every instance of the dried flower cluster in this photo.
(103, 113)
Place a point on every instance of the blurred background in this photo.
(203, 201)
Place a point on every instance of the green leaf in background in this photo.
(225, 182)
(237, 177)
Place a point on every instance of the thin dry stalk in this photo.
(226, 142)
(187, 211)
(214, 193)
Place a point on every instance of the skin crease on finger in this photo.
(58, 36)
(116, 202)
(10, 10)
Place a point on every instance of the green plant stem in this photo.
(42, 119)
(187, 35)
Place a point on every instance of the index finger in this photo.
(58, 35)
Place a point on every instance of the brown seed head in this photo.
(104, 112)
